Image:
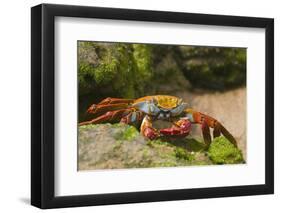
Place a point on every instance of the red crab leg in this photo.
(206, 133)
(111, 116)
(102, 108)
(109, 104)
(206, 122)
(180, 128)
(116, 101)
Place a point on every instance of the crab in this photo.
(142, 112)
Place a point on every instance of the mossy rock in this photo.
(112, 146)
(132, 70)
(221, 151)
(113, 68)
(105, 146)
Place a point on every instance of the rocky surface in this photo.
(111, 146)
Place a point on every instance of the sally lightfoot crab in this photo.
(142, 112)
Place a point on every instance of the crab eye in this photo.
(180, 101)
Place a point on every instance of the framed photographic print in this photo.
(139, 106)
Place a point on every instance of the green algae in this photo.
(127, 133)
(221, 151)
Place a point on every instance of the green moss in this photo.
(221, 151)
(106, 71)
(130, 133)
(127, 133)
(183, 154)
(145, 152)
(142, 57)
(114, 68)
(157, 142)
(169, 150)
(118, 125)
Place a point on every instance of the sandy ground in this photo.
(227, 107)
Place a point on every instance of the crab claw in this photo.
(181, 128)
(150, 133)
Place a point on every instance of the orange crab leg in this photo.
(109, 104)
(111, 116)
(206, 122)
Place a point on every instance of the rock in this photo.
(111, 146)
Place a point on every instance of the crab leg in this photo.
(116, 101)
(134, 117)
(206, 133)
(109, 104)
(102, 108)
(111, 116)
(207, 122)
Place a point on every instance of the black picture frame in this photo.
(43, 117)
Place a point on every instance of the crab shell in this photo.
(162, 107)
